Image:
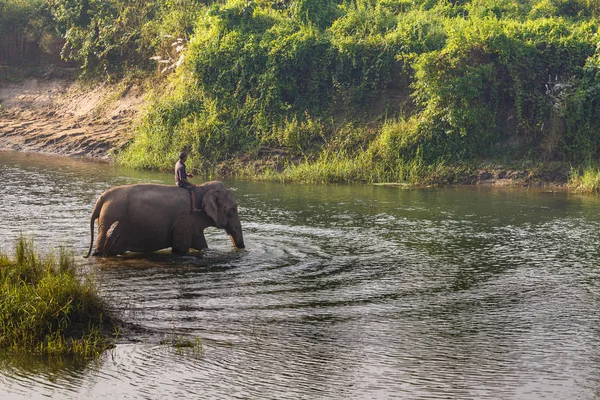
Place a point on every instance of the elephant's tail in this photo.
(95, 215)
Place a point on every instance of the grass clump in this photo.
(585, 180)
(181, 344)
(46, 308)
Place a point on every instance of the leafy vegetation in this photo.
(384, 91)
(351, 90)
(111, 37)
(25, 31)
(585, 179)
(105, 38)
(46, 308)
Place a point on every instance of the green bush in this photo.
(111, 38)
(470, 79)
(26, 31)
(491, 71)
(16, 14)
(45, 307)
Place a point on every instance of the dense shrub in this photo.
(26, 31)
(110, 38)
(472, 79)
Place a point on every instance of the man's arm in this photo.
(183, 175)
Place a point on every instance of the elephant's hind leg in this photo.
(113, 236)
(101, 240)
(109, 242)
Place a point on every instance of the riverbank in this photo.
(68, 118)
(306, 96)
(65, 117)
(553, 175)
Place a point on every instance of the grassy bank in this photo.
(336, 168)
(380, 91)
(585, 179)
(47, 308)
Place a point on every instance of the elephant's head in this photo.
(220, 205)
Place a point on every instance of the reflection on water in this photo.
(342, 292)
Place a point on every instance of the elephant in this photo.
(151, 217)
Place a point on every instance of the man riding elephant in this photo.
(150, 217)
(181, 176)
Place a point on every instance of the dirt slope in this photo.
(63, 117)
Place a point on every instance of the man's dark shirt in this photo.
(180, 173)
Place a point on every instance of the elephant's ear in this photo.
(210, 205)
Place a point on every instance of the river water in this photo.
(359, 292)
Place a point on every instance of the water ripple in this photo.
(342, 292)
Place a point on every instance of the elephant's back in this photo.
(144, 200)
(168, 198)
(144, 190)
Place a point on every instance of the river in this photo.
(342, 292)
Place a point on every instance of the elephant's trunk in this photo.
(235, 233)
(238, 241)
(239, 244)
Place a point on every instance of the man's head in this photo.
(183, 156)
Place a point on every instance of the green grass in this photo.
(374, 167)
(185, 345)
(344, 169)
(585, 180)
(46, 307)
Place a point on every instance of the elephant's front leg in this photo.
(199, 242)
(182, 236)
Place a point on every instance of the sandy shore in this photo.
(62, 117)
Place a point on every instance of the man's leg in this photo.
(193, 196)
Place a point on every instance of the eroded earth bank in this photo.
(60, 116)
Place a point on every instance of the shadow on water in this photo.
(47, 373)
(207, 260)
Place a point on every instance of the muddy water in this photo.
(342, 292)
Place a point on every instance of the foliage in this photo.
(463, 80)
(26, 31)
(18, 14)
(185, 345)
(46, 308)
(385, 85)
(112, 37)
(585, 179)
